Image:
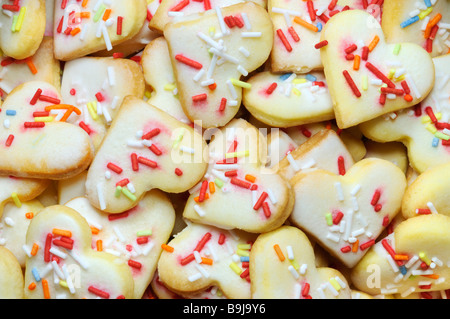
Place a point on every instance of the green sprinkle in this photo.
(329, 219)
(218, 183)
(397, 49)
(14, 23)
(128, 194)
(118, 191)
(442, 136)
(143, 233)
(178, 139)
(99, 13)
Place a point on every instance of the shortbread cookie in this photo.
(366, 74)
(97, 86)
(394, 152)
(63, 263)
(412, 259)
(282, 266)
(42, 66)
(210, 54)
(297, 26)
(288, 99)
(428, 193)
(324, 150)
(135, 235)
(425, 128)
(23, 27)
(422, 22)
(238, 191)
(169, 10)
(346, 213)
(159, 75)
(144, 148)
(14, 223)
(352, 140)
(84, 28)
(70, 188)
(36, 143)
(202, 256)
(11, 277)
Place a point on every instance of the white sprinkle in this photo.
(303, 269)
(187, 149)
(210, 41)
(232, 89)
(78, 259)
(195, 277)
(297, 290)
(27, 250)
(340, 192)
(226, 166)
(290, 12)
(221, 21)
(310, 163)
(358, 232)
(9, 221)
(113, 252)
(411, 261)
(198, 75)
(197, 257)
(254, 34)
(424, 23)
(57, 270)
(101, 198)
(119, 234)
(106, 38)
(107, 174)
(333, 237)
(293, 272)
(135, 143)
(247, 23)
(175, 14)
(341, 282)
(57, 252)
(330, 287)
(107, 116)
(413, 86)
(202, 270)
(241, 70)
(68, 279)
(355, 189)
(355, 203)
(348, 227)
(272, 197)
(199, 211)
(290, 252)
(224, 55)
(392, 262)
(111, 76)
(254, 197)
(432, 208)
(437, 261)
(207, 82)
(292, 162)
(244, 51)
(6, 123)
(211, 68)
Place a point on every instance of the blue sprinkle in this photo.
(245, 258)
(402, 270)
(435, 142)
(319, 26)
(427, 3)
(310, 77)
(285, 76)
(410, 21)
(11, 112)
(36, 274)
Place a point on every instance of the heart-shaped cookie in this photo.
(36, 143)
(282, 266)
(424, 128)
(368, 77)
(238, 191)
(412, 259)
(210, 54)
(136, 235)
(64, 264)
(14, 223)
(97, 86)
(42, 66)
(346, 213)
(298, 25)
(288, 100)
(420, 22)
(23, 26)
(428, 193)
(82, 28)
(144, 148)
(11, 277)
(202, 256)
(164, 93)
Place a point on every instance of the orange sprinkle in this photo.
(99, 244)
(307, 25)
(401, 257)
(62, 232)
(207, 261)
(32, 286)
(85, 14)
(213, 86)
(45, 289)
(197, 198)
(279, 252)
(212, 187)
(434, 276)
(31, 65)
(356, 62)
(431, 24)
(34, 249)
(408, 98)
(29, 215)
(75, 31)
(69, 108)
(355, 246)
(250, 178)
(374, 43)
(84, 3)
(94, 230)
(106, 14)
(167, 248)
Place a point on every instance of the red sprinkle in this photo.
(351, 83)
(385, 220)
(293, 34)
(151, 134)
(9, 140)
(375, 198)
(266, 209)
(223, 104)
(155, 150)
(338, 217)
(240, 183)
(207, 4)
(112, 217)
(180, 5)
(321, 44)
(119, 25)
(221, 240)
(203, 242)
(48, 244)
(379, 75)
(199, 98)
(134, 162)
(186, 260)
(311, 11)
(260, 201)
(33, 124)
(203, 188)
(36, 96)
(114, 168)
(341, 165)
(405, 87)
(123, 182)
(305, 289)
(367, 244)
(49, 99)
(181, 58)
(430, 113)
(85, 127)
(178, 171)
(134, 264)
(365, 53)
(350, 49)
(346, 249)
(271, 88)
(147, 162)
(99, 97)
(98, 292)
(332, 5)
(284, 40)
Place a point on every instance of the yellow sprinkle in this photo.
(425, 119)
(237, 154)
(424, 258)
(424, 13)
(179, 138)
(14, 23)
(169, 87)
(364, 82)
(430, 127)
(295, 264)
(391, 73)
(92, 110)
(43, 119)
(235, 268)
(63, 283)
(296, 91)
(299, 81)
(212, 31)
(335, 284)
(244, 246)
(148, 94)
(242, 253)
(21, 17)
(241, 84)
(400, 78)
(16, 200)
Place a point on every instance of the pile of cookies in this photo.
(225, 149)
